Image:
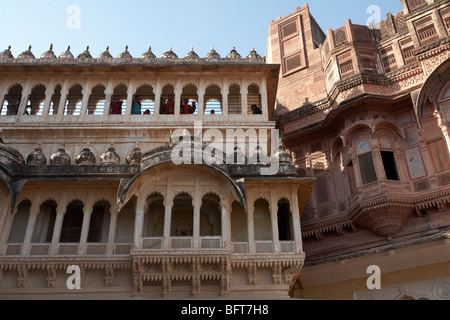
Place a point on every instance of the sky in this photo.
(162, 24)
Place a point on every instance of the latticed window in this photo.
(366, 164)
(415, 4)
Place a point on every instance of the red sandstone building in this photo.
(366, 112)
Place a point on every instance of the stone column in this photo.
(264, 99)
(251, 228)
(34, 211)
(225, 91)
(274, 219)
(224, 224)
(177, 109)
(23, 102)
(378, 161)
(201, 99)
(57, 230)
(138, 226)
(130, 94)
(112, 231)
(244, 95)
(296, 223)
(62, 102)
(85, 230)
(84, 103)
(157, 98)
(196, 231)
(108, 98)
(167, 223)
(48, 100)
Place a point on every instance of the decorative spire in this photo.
(67, 54)
(213, 55)
(125, 55)
(27, 54)
(169, 55)
(86, 54)
(192, 56)
(6, 54)
(233, 55)
(149, 54)
(49, 54)
(106, 54)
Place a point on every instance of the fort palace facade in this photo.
(242, 176)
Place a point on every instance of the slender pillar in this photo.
(86, 93)
(62, 102)
(138, 225)
(167, 223)
(274, 220)
(108, 98)
(225, 92)
(112, 231)
(57, 230)
(48, 100)
(196, 231)
(201, 99)
(224, 223)
(244, 98)
(251, 228)
(85, 230)
(23, 102)
(264, 99)
(296, 223)
(130, 94)
(177, 110)
(34, 211)
(157, 98)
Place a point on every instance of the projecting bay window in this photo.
(366, 164)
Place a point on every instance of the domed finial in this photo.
(107, 48)
(68, 48)
(9, 47)
(51, 46)
(126, 48)
(29, 48)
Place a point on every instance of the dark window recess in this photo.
(368, 173)
(72, 224)
(284, 222)
(389, 165)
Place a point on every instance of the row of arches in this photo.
(211, 101)
(99, 224)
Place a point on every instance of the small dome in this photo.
(110, 157)
(60, 158)
(86, 54)
(192, 56)
(66, 54)
(233, 55)
(125, 55)
(9, 156)
(49, 54)
(169, 55)
(37, 158)
(253, 55)
(135, 157)
(238, 157)
(85, 158)
(149, 54)
(27, 54)
(282, 156)
(259, 157)
(6, 54)
(213, 55)
(106, 55)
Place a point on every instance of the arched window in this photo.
(189, 100)
(167, 104)
(285, 231)
(144, 101)
(12, 99)
(262, 220)
(182, 216)
(366, 165)
(239, 231)
(45, 223)
(234, 99)
(119, 100)
(125, 223)
(96, 104)
(154, 217)
(73, 101)
(54, 103)
(253, 99)
(20, 222)
(72, 223)
(99, 223)
(388, 158)
(213, 100)
(36, 100)
(210, 216)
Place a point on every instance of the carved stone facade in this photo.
(366, 114)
